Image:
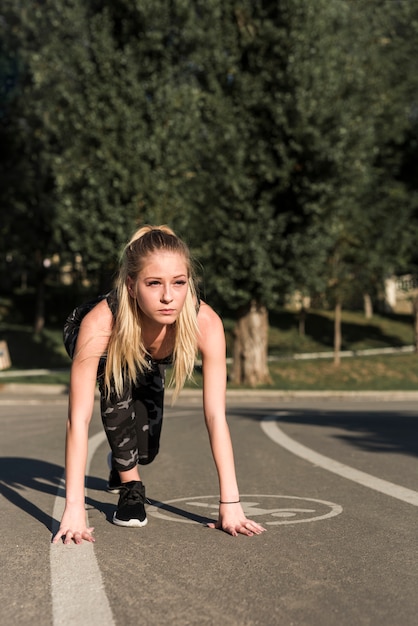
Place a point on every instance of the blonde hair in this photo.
(126, 354)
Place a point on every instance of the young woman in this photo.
(125, 340)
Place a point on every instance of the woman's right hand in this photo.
(73, 527)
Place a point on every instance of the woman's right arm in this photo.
(92, 342)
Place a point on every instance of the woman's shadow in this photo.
(19, 475)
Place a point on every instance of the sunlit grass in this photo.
(377, 373)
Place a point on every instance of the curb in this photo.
(24, 390)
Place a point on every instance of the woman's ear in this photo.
(129, 285)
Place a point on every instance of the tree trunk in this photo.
(415, 318)
(251, 346)
(368, 306)
(301, 322)
(337, 333)
(39, 321)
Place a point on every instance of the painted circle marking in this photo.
(270, 510)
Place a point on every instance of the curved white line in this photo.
(273, 431)
(77, 590)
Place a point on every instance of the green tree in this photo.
(274, 162)
(297, 103)
(74, 162)
(371, 223)
(263, 132)
(27, 184)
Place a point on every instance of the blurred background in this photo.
(278, 138)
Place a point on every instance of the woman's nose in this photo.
(167, 297)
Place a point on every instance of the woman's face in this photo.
(161, 287)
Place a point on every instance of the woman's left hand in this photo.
(233, 521)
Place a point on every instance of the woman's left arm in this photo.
(212, 348)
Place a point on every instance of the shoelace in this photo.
(133, 495)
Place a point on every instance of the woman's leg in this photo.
(133, 422)
(118, 417)
(133, 426)
(148, 396)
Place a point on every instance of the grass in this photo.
(358, 333)
(35, 352)
(377, 373)
(386, 372)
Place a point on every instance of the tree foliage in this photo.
(274, 136)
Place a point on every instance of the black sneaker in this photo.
(113, 484)
(131, 505)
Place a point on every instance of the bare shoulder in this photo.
(100, 317)
(207, 317)
(95, 330)
(210, 326)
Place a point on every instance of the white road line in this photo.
(273, 431)
(77, 590)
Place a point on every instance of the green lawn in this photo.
(387, 372)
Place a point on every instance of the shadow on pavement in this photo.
(181, 512)
(372, 431)
(20, 475)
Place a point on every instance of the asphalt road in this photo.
(334, 480)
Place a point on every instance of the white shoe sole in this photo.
(131, 523)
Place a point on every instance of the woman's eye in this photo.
(180, 282)
(151, 283)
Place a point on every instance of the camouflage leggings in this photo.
(132, 421)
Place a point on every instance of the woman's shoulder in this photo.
(206, 313)
(100, 316)
(94, 333)
(210, 324)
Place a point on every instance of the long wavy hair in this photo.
(126, 353)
